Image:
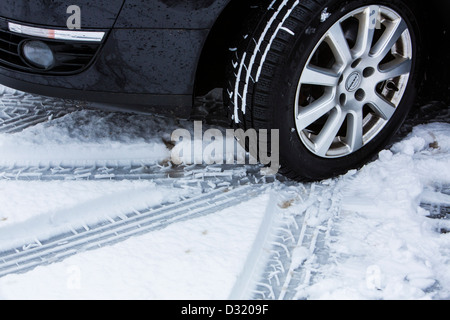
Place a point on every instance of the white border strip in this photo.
(90, 36)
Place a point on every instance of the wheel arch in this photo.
(210, 73)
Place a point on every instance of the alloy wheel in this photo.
(353, 81)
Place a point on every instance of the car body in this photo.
(150, 57)
(156, 56)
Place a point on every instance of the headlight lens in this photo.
(38, 54)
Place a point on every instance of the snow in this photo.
(190, 260)
(381, 245)
(381, 226)
(89, 135)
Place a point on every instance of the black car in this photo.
(336, 77)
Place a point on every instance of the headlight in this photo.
(38, 54)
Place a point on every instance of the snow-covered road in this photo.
(209, 232)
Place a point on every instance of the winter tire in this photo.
(336, 78)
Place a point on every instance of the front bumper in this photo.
(71, 57)
(149, 70)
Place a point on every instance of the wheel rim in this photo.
(353, 81)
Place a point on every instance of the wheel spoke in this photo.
(328, 133)
(388, 39)
(381, 107)
(394, 69)
(313, 112)
(368, 23)
(339, 45)
(319, 76)
(355, 131)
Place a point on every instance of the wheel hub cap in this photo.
(353, 81)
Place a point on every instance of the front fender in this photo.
(170, 14)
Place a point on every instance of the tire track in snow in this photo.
(95, 170)
(224, 186)
(289, 246)
(59, 247)
(19, 110)
(436, 200)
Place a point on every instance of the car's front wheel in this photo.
(336, 77)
